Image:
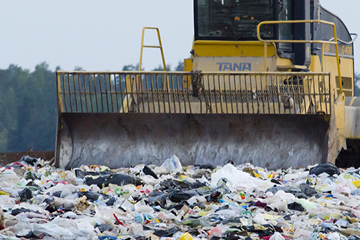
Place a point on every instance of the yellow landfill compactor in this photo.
(266, 84)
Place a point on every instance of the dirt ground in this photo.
(6, 158)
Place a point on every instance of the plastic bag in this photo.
(173, 164)
(25, 194)
(328, 168)
(236, 178)
(186, 236)
(147, 171)
(118, 179)
(277, 236)
(179, 196)
(29, 160)
(217, 231)
(307, 190)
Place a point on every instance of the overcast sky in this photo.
(106, 35)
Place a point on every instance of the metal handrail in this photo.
(209, 92)
(182, 72)
(347, 43)
(334, 42)
(153, 46)
(150, 46)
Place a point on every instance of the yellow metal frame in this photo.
(335, 42)
(207, 48)
(151, 46)
(59, 94)
(218, 93)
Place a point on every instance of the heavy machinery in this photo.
(266, 84)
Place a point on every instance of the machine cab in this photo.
(226, 37)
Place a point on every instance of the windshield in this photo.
(232, 19)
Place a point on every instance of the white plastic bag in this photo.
(173, 164)
(277, 236)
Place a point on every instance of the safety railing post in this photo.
(335, 42)
(59, 93)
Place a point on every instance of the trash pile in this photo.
(172, 201)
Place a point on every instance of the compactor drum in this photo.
(253, 91)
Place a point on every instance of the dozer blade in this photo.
(121, 119)
(123, 140)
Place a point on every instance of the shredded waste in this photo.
(175, 202)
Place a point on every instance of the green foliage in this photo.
(131, 67)
(161, 68)
(27, 109)
(357, 84)
(180, 66)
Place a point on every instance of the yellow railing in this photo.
(151, 46)
(208, 93)
(334, 42)
(166, 85)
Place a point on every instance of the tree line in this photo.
(28, 107)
